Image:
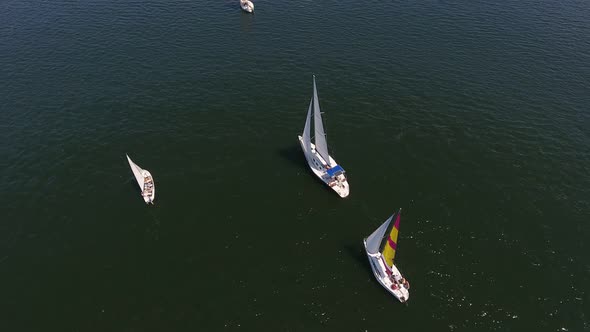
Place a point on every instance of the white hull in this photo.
(386, 276)
(318, 167)
(247, 6)
(145, 181)
(148, 195)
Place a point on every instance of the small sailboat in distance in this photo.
(145, 182)
(381, 258)
(318, 159)
(247, 6)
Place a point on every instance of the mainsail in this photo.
(321, 145)
(391, 243)
(374, 240)
(306, 129)
(137, 172)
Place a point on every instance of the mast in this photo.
(306, 129)
(374, 240)
(321, 145)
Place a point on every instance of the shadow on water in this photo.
(294, 154)
(134, 191)
(234, 4)
(358, 254)
(131, 183)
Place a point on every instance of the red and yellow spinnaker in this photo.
(391, 243)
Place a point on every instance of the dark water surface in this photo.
(470, 115)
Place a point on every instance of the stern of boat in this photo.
(400, 293)
(342, 189)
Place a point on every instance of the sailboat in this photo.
(247, 6)
(381, 259)
(320, 162)
(145, 182)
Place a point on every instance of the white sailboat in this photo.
(320, 162)
(247, 6)
(381, 259)
(145, 182)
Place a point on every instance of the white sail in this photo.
(306, 129)
(374, 240)
(137, 172)
(321, 145)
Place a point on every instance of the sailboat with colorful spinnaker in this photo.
(318, 158)
(381, 252)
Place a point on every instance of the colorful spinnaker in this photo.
(391, 243)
